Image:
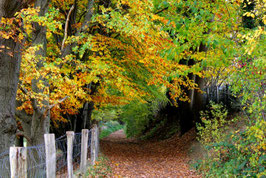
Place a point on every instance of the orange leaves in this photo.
(141, 54)
(27, 107)
(113, 61)
(10, 29)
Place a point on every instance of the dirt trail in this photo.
(130, 158)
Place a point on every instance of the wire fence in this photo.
(36, 159)
(4, 165)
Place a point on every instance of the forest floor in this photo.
(167, 158)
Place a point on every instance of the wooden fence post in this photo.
(218, 97)
(70, 141)
(50, 152)
(97, 142)
(18, 162)
(84, 151)
(94, 144)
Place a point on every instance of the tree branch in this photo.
(68, 49)
(161, 10)
(60, 101)
(66, 26)
(88, 15)
(82, 15)
(53, 105)
(21, 133)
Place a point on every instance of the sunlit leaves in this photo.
(127, 48)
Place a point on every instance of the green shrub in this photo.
(233, 151)
(213, 124)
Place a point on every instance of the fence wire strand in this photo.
(36, 159)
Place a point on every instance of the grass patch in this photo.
(110, 127)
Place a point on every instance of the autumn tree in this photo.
(201, 33)
(106, 53)
(86, 55)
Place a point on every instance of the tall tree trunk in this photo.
(38, 124)
(197, 99)
(10, 57)
(41, 116)
(87, 112)
(9, 72)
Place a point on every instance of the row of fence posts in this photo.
(18, 155)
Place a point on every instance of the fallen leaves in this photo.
(129, 158)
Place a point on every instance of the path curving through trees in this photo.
(131, 158)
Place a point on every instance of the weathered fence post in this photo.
(50, 151)
(217, 93)
(18, 162)
(94, 143)
(84, 150)
(70, 140)
(97, 142)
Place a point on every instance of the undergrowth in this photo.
(234, 150)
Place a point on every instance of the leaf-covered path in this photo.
(129, 158)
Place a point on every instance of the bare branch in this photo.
(60, 101)
(161, 10)
(66, 26)
(51, 106)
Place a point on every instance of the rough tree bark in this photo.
(10, 57)
(35, 126)
(40, 121)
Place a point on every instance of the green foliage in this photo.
(248, 80)
(213, 124)
(248, 22)
(111, 127)
(100, 169)
(239, 151)
(233, 150)
(137, 115)
(106, 114)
